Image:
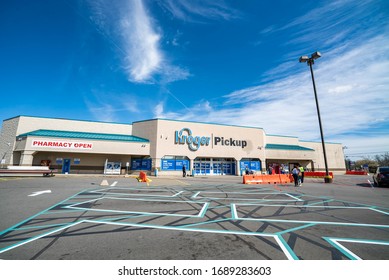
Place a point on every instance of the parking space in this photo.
(198, 218)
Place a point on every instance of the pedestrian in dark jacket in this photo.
(295, 173)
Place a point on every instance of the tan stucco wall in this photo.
(27, 124)
(283, 140)
(164, 138)
(334, 152)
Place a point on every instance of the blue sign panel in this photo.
(136, 164)
(146, 164)
(168, 164)
(171, 164)
(141, 164)
(254, 165)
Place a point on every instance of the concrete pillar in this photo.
(27, 158)
(238, 172)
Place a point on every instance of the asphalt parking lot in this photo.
(200, 218)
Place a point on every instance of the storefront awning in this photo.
(287, 147)
(83, 135)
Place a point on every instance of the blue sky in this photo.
(228, 62)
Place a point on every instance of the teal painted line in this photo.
(234, 214)
(150, 214)
(286, 248)
(204, 223)
(203, 210)
(320, 202)
(294, 197)
(296, 228)
(122, 218)
(379, 211)
(36, 215)
(309, 206)
(364, 241)
(60, 212)
(315, 222)
(195, 195)
(149, 199)
(184, 229)
(218, 207)
(342, 249)
(248, 199)
(36, 237)
(104, 192)
(178, 194)
(366, 205)
(41, 227)
(142, 195)
(200, 215)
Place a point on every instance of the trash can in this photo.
(193, 172)
(156, 172)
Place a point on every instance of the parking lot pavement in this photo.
(192, 218)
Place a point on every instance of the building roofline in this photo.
(83, 135)
(287, 147)
(281, 136)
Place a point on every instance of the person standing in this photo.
(183, 171)
(301, 174)
(270, 170)
(295, 173)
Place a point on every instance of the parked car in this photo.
(381, 176)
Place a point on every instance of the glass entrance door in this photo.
(202, 166)
(214, 166)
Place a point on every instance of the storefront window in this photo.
(214, 166)
(253, 164)
(141, 164)
(174, 163)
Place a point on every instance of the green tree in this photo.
(372, 164)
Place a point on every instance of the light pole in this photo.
(310, 61)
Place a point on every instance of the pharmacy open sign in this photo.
(55, 144)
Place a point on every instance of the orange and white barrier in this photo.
(268, 179)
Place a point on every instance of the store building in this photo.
(157, 146)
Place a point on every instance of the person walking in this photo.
(183, 171)
(295, 174)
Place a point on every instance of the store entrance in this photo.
(214, 166)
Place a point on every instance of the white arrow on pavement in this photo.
(41, 192)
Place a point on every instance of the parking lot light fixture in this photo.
(310, 61)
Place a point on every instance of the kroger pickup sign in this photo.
(184, 136)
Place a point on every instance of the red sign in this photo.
(56, 144)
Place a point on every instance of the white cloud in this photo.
(195, 10)
(104, 106)
(143, 58)
(141, 43)
(341, 89)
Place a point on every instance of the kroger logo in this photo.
(184, 136)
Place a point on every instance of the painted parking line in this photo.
(335, 241)
(39, 193)
(205, 216)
